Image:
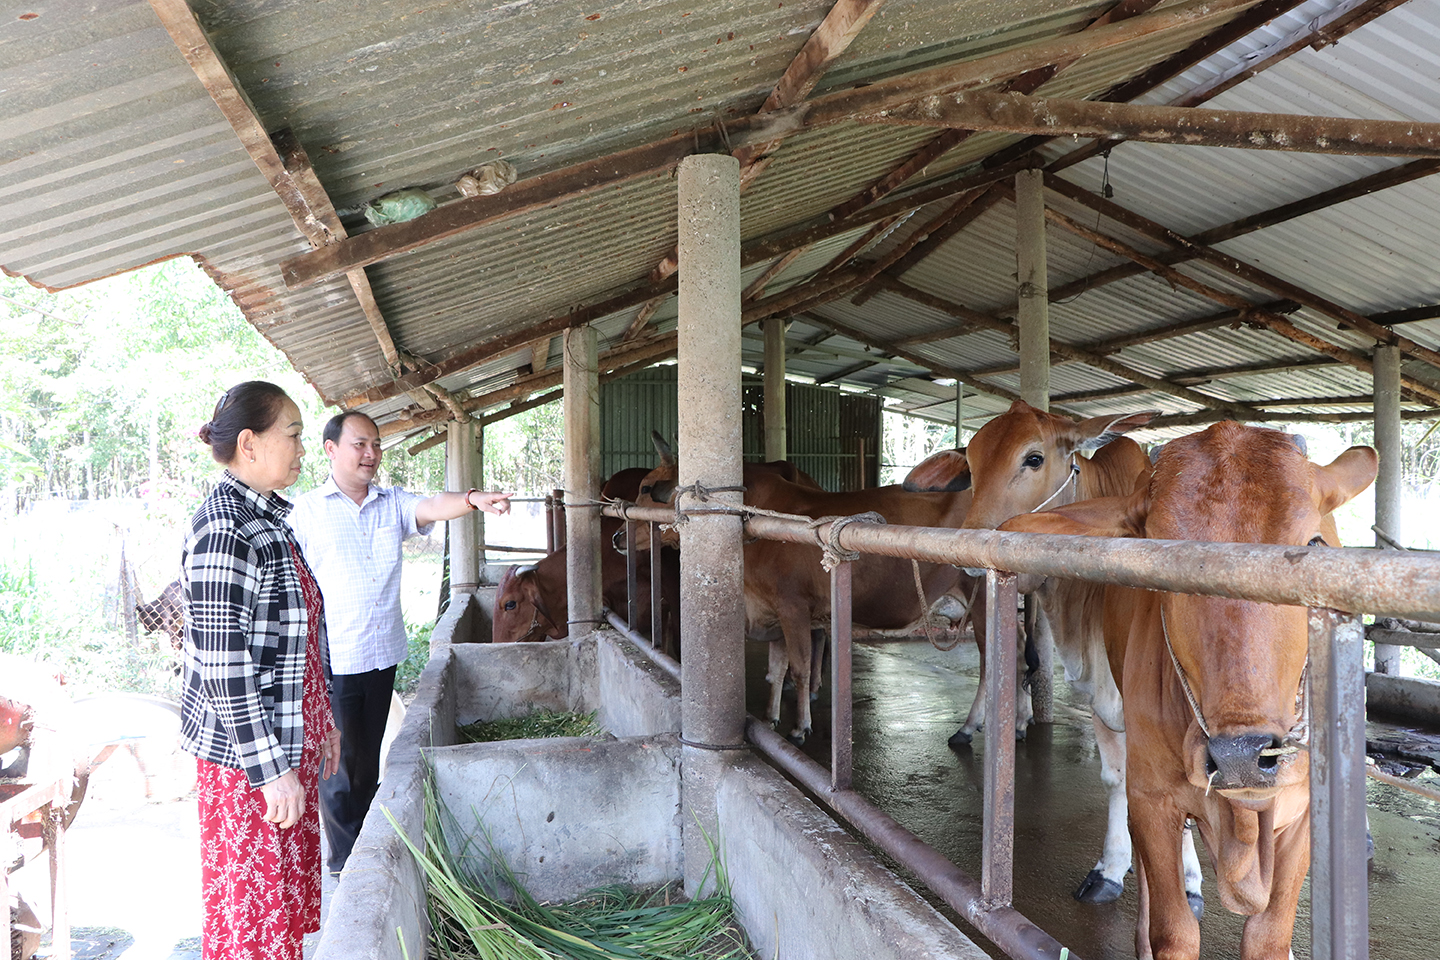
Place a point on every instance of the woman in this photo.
(254, 711)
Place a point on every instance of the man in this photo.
(350, 530)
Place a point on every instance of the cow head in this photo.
(521, 613)
(657, 489)
(945, 472)
(1243, 662)
(1024, 459)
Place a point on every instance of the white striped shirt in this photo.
(355, 553)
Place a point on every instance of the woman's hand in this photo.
(330, 753)
(285, 799)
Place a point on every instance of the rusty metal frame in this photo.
(1326, 579)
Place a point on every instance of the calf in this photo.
(1213, 687)
(532, 603)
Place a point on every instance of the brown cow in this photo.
(1232, 761)
(1025, 460)
(532, 603)
(786, 589)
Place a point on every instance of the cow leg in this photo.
(779, 665)
(1267, 934)
(1142, 915)
(819, 642)
(976, 718)
(1106, 881)
(795, 624)
(1192, 873)
(1173, 931)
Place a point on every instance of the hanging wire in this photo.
(1107, 192)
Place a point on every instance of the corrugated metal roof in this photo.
(112, 155)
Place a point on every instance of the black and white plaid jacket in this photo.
(245, 635)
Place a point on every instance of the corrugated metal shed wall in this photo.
(829, 431)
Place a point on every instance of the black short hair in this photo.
(253, 405)
(336, 424)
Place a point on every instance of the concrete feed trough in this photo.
(574, 814)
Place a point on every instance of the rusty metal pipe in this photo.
(1356, 581)
(997, 870)
(1009, 930)
(842, 755)
(654, 653)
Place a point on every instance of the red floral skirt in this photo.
(261, 884)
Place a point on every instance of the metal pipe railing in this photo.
(656, 655)
(1332, 580)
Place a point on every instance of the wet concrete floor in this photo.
(910, 697)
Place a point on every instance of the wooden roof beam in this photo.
(843, 105)
(281, 159)
(1250, 274)
(1272, 321)
(1322, 31)
(1185, 126)
(1385, 179)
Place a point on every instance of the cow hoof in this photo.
(797, 738)
(1096, 888)
(960, 739)
(1197, 904)
(1020, 733)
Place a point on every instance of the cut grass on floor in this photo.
(470, 921)
(535, 726)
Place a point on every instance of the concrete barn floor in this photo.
(910, 697)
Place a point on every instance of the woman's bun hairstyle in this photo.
(252, 405)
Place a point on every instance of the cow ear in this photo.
(1098, 431)
(1100, 517)
(1344, 477)
(662, 447)
(945, 472)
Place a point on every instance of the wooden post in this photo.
(1389, 482)
(775, 440)
(712, 603)
(1033, 319)
(582, 478)
(460, 474)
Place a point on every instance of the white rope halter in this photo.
(1072, 476)
(1298, 736)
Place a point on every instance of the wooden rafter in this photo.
(841, 25)
(1186, 126)
(841, 106)
(1247, 272)
(1322, 31)
(280, 158)
(1271, 321)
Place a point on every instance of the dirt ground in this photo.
(134, 865)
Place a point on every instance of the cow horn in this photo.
(1155, 452)
(1300, 444)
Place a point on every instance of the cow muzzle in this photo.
(1251, 761)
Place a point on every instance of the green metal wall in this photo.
(828, 431)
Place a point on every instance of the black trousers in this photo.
(360, 703)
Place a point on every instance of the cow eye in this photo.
(645, 488)
(509, 604)
(1318, 541)
(1034, 461)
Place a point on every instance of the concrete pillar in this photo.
(775, 443)
(582, 478)
(1389, 485)
(712, 605)
(462, 461)
(1033, 318)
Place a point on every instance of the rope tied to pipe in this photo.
(698, 491)
(831, 553)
